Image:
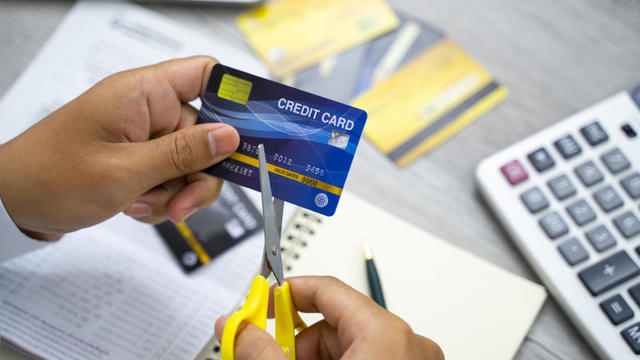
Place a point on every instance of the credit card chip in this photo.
(234, 89)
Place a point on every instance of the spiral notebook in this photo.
(472, 308)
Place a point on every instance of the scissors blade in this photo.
(278, 205)
(272, 221)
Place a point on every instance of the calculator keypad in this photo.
(583, 190)
(514, 172)
(561, 187)
(600, 238)
(632, 336)
(553, 225)
(628, 224)
(567, 147)
(608, 273)
(615, 161)
(594, 134)
(573, 252)
(607, 198)
(589, 173)
(581, 212)
(534, 200)
(541, 160)
(631, 185)
(617, 309)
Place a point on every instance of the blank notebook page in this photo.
(472, 308)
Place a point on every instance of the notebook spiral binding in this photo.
(297, 235)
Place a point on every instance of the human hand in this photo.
(127, 144)
(354, 327)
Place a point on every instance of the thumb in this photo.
(252, 343)
(183, 152)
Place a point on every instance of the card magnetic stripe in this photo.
(442, 121)
(288, 174)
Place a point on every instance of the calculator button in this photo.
(514, 172)
(541, 160)
(628, 224)
(535, 200)
(600, 238)
(632, 336)
(573, 252)
(631, 185)
(617, 310)
(561, 187)
(609, 273)
(634, 291)
(594, 134)
(589, 173)
(581, 212)
(615, 161)
(567, 147)
(553, 225)
(607, 198)
(628, 130)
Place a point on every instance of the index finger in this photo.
(336, 300)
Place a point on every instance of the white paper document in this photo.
(113, 291)
(97, 39)
(98, 296)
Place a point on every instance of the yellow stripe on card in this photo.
(288, 174)
(191, 240)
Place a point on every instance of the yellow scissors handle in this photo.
(288, 320)
(253, 311)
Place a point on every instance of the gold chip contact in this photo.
(234, 89)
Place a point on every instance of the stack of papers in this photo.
(113, 291)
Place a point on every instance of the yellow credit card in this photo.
(427, 101)
(290, 35)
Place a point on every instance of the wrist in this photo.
(5, 170)
(6, 173)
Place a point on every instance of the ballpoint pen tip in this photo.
(368, 253)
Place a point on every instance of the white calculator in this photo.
(569, 197)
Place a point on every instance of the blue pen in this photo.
(375, 287)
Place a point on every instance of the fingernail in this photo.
(186, 213)
(222, 141)
(138, 209)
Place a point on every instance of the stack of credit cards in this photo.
(420, 88)
(417, 85)
(309, 140)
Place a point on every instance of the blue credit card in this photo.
(309, 140)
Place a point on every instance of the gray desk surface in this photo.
(555, 56)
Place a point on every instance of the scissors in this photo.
(254, 309)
